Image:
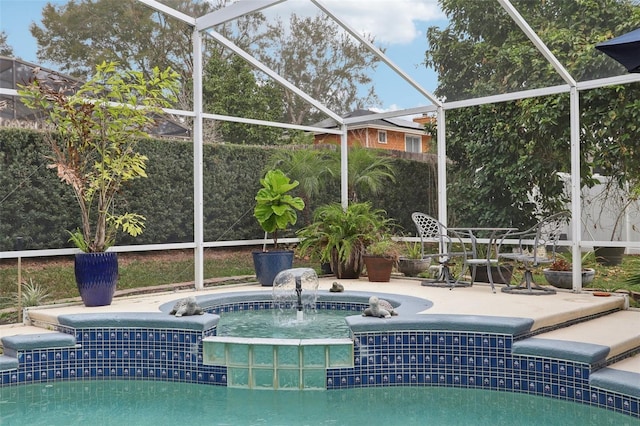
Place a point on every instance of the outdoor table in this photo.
(493, 235)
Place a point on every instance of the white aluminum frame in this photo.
(203, 26)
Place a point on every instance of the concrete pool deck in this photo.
(563, 317)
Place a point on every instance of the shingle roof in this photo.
(385, 122)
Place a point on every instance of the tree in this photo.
(367, 171)
(82, 33)
(230, 88)
(93, 148)
(5, 48)
(309, 166)
(315, 56)
(501, 152)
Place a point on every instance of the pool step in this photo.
(622, 376)
(610, 345)
(596, 341)
(29, 338)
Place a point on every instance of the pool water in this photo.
(322, 324)
(121, 402)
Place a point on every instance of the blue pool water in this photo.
(322, 324)
(121, 402)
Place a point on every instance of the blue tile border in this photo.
(623, 382)
(576, 351)
(408, 350)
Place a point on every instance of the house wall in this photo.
(368, 137)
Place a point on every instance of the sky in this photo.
(399, 26)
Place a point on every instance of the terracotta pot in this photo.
(378, 268)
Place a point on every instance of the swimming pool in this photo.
(140, 403)
(410, 350)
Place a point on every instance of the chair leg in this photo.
(445, 278)
(490, 276)
(528, 285)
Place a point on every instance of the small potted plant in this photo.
(275, 210)
(560, 273)
(94, 131)
(380, 258)
(411, 263)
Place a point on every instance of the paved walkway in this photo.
(546, 311)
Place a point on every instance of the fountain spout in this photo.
(300, 312)
(296, 288)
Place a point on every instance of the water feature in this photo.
(295, 290)
(282, 363)
(268, 323)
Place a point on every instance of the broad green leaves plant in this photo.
(276, 209)
(93, 141)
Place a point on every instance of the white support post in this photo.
(198, 204)
(442, 167)
(576, 212)
(344, 168)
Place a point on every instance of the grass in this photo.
(55, 276)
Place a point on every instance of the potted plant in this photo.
(560, 274)
(94, 131)
(341, 236)
(275, 210)
(411, 263)
(380, 258)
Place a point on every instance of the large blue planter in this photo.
(269, 263)
(96, 277)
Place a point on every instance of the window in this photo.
(382, 136)
(412, 143)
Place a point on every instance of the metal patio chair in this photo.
(536, 246)
(450, 250)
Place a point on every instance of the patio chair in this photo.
(536, 246)
(431, 230)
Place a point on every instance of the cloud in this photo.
(391, 22)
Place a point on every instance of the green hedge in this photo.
(35, 205)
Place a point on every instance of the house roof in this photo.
(330, 123)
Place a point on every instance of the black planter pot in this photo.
(96, 277)
(269, 263)
(505, 278)
(609, 256)
(349, 269)
(325, 268)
